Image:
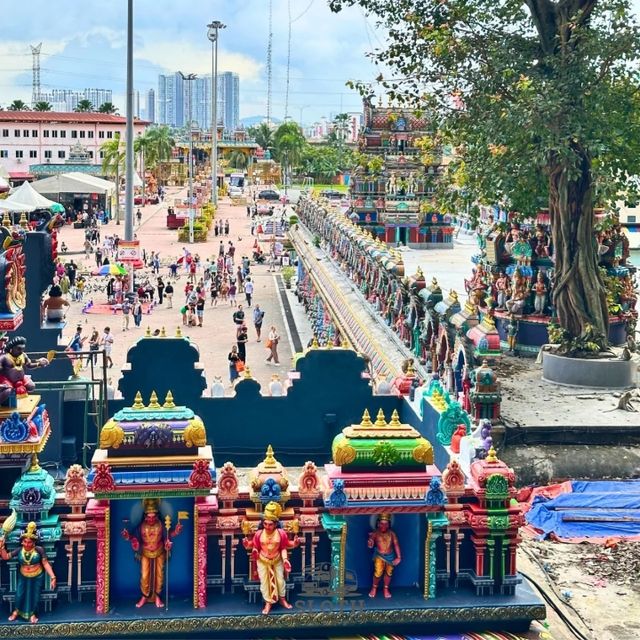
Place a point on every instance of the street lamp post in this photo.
(128, 197)
(212, 34)
(189, 79)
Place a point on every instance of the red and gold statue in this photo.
(151, 543)
(386, 555)
(269, 547)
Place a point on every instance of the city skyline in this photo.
(327, 50)
(174, 93)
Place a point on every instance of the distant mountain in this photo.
(252, 121)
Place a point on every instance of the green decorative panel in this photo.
(497, 487)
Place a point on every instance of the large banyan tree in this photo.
(540, 99)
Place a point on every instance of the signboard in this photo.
(128, 251)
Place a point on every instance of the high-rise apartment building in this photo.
(67, 99)
(173, 101)
(229, 100)
(151, 106)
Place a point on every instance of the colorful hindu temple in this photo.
(392, 189)
(324, 509)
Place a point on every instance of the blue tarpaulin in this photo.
(600, 509)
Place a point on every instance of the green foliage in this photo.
(108, 107)
(289, 143)
(238, 160)
(84, 106)
(613, 287)
(316, 240)
(589, 344)
(287, 274)
(539, 99)
(18, 105)
(262, 134)
(42, 105)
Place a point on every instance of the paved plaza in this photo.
(215, 338)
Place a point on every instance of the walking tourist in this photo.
(168, 292)
(248, 290)
(126, 314)
(235, 365)
(107, 343)
(272, 345)
(258, 317)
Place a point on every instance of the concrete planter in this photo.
(596, 374)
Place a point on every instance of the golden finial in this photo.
(410, 369)
(247, 374)
(6, 220)
(420, 272)
(314, 343)
(138, 404)
(395, 419)
(35, 465)
(434, 282)
(153, 401)
(147, 333)
(270, 460)
(366, 419)
(178, 332)
(168, 401)
(454, 295)
(492, 458)
(380, 419)
(24, 223)
(329, 344)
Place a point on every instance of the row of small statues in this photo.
(152, 539)
(501, 292)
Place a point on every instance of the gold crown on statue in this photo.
(384, 517)
(150, 505)
(30, 532)
(272, 512)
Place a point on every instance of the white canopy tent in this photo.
(26, 198)
(4, 183)
(74, 182)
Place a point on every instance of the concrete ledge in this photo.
(594, 374)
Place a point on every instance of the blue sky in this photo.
(84, 46)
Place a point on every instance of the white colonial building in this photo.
(36, 144)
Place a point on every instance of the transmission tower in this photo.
(269, 63)
(35, 52)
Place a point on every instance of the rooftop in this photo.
(67, 116)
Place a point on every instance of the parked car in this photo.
(268, 194)
(332, 194)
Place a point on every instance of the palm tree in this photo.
(18, 105)
(42, 105)
(263, 135)
(289, 143)
(238, 160)
(113, 165)
(84, 106)
(144, 147)
(161, 145)
(108, 107)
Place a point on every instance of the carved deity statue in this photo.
(386, 554)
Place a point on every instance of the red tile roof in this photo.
(64, 117)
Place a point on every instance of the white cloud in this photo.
(191, 58)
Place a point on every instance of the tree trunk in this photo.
(579, 295)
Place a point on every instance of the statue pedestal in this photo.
(595, 374)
